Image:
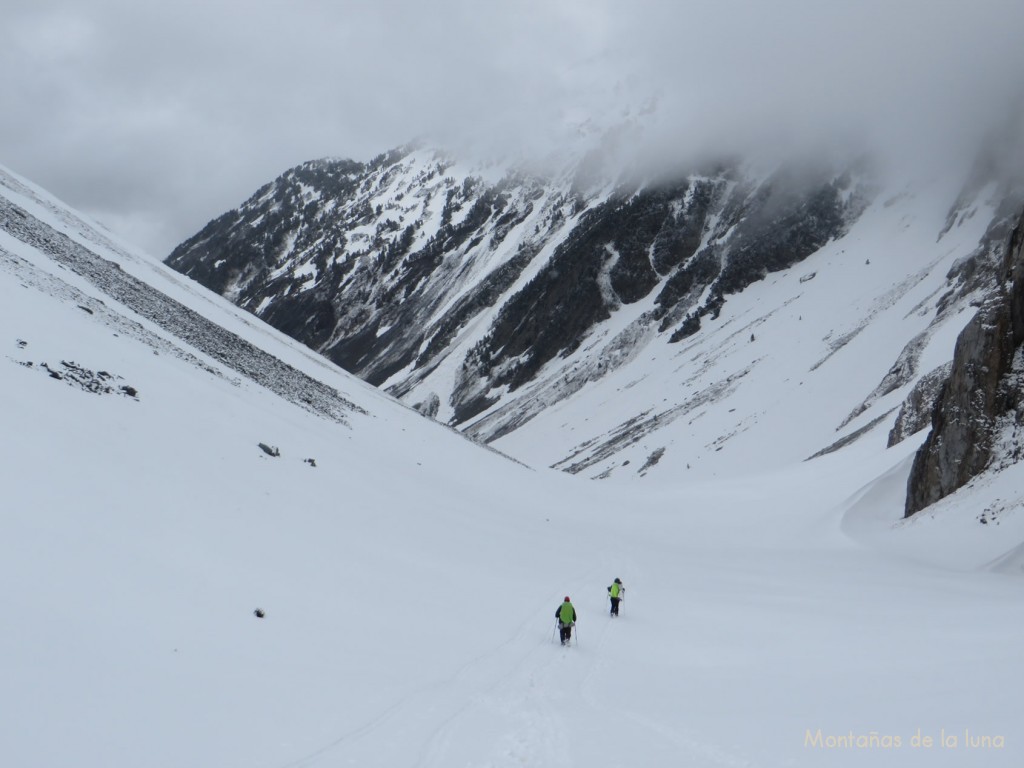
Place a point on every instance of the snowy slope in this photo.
(790, 366)
(409, 578)
(616, 326)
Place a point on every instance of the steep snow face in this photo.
(520, 309)
(407, 578)
(818, 353)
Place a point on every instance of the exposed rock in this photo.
(916, 411)
(75, 375)
(653, 459)
(391, 267)
(850, 438)
(901, 373)
(192, 329)
(997, 178)
(270, 450)
(982, 392)
(430, 406)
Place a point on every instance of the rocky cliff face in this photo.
(980, 410)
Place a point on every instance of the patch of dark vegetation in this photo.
(552, 314)
(245, 241)
(484, 295)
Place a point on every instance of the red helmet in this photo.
(566, 599)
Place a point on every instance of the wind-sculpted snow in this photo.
(183, 323)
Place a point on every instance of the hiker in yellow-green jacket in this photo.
(616, 592)
(566, 616)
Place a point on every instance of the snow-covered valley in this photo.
(779, 612)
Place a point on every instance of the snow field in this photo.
(409, 582)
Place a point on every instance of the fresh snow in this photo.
(779, 614)
(774, 378)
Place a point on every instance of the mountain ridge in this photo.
(488, 299)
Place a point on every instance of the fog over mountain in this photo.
(155, 119)
(727, 297)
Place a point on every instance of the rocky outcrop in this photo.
(982, 395)
(430, 406)
(915, 412)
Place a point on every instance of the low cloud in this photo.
(159, 118)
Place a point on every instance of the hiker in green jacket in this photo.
(566, 616)
(616, 592)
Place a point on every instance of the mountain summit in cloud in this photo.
(590, 319)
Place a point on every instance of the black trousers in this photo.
(564, 632)
(615, 605)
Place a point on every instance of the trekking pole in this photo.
(576, 633)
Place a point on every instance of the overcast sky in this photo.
(157, 117)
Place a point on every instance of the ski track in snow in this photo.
(522, 708)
